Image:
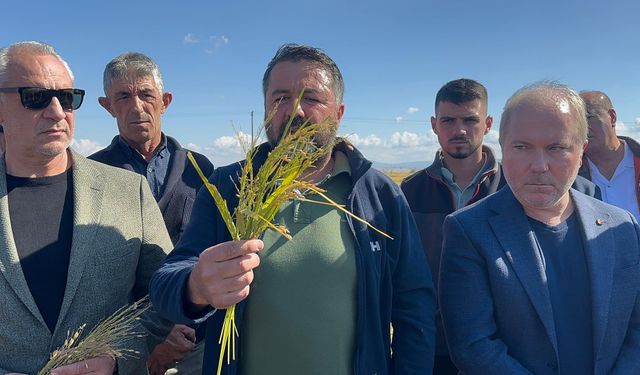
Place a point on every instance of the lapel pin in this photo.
(599, 222)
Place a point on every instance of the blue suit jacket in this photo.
(495, 303)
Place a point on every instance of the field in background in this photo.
(397, 174)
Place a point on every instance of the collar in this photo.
(129, 151)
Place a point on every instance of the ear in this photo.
(488, 122)
(167, 97)
(614, 117)
(106, 104)
(434, 122)
(340, 111)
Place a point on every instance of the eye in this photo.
(312, 99)
(280, 99)
(558, 148)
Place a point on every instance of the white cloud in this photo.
(215, 43)
(218, 41)
(190, 39)
(413, 109)
(629, 129)
(194, 147)
(399, 147)
(399, 119)
(406, 139)
(85, 147)
(371, 140)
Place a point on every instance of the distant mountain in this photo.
(409, 165)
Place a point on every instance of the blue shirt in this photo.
(570, 292)
(156, 169)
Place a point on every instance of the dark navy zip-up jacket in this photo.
(394, 284)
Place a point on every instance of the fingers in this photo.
(180, 343)
(187, 331)
(97, 366)
(232, 249)
(223, 273)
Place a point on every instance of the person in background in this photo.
(463, 171)
(135, 97)
(612, 162)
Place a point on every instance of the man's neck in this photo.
(324, 167)
(147, 149)
(37, 166)
(552, 215)
(608, 159)
(464, 170)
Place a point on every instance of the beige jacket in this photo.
(119, 240)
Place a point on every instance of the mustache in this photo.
(56, 127)
(296, 123)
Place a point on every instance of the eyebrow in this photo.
(287, 91)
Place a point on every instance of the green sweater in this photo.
(301, 312)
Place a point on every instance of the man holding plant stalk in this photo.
(78, 239)
(322, 302)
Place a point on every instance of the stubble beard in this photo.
(461, 154)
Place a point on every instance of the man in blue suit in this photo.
(538, 278)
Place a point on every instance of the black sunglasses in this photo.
(39, 98)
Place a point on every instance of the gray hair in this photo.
(32, 47)
(131, 64)
(297, 52)
(549, 90)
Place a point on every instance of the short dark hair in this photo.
(460, 91)
(296, 52)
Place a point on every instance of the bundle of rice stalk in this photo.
(105, 339)
(262, 192)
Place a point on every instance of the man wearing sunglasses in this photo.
(73, 247)
(135, 97)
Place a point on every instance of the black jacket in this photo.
(182, 182)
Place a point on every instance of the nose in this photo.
(539, 163)
(138, 104)
(54, 111)
(297, 110)
(458, 128)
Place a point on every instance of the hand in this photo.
(223, 273)
(179, 342)
(94, 366)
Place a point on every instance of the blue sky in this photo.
(394, 56)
